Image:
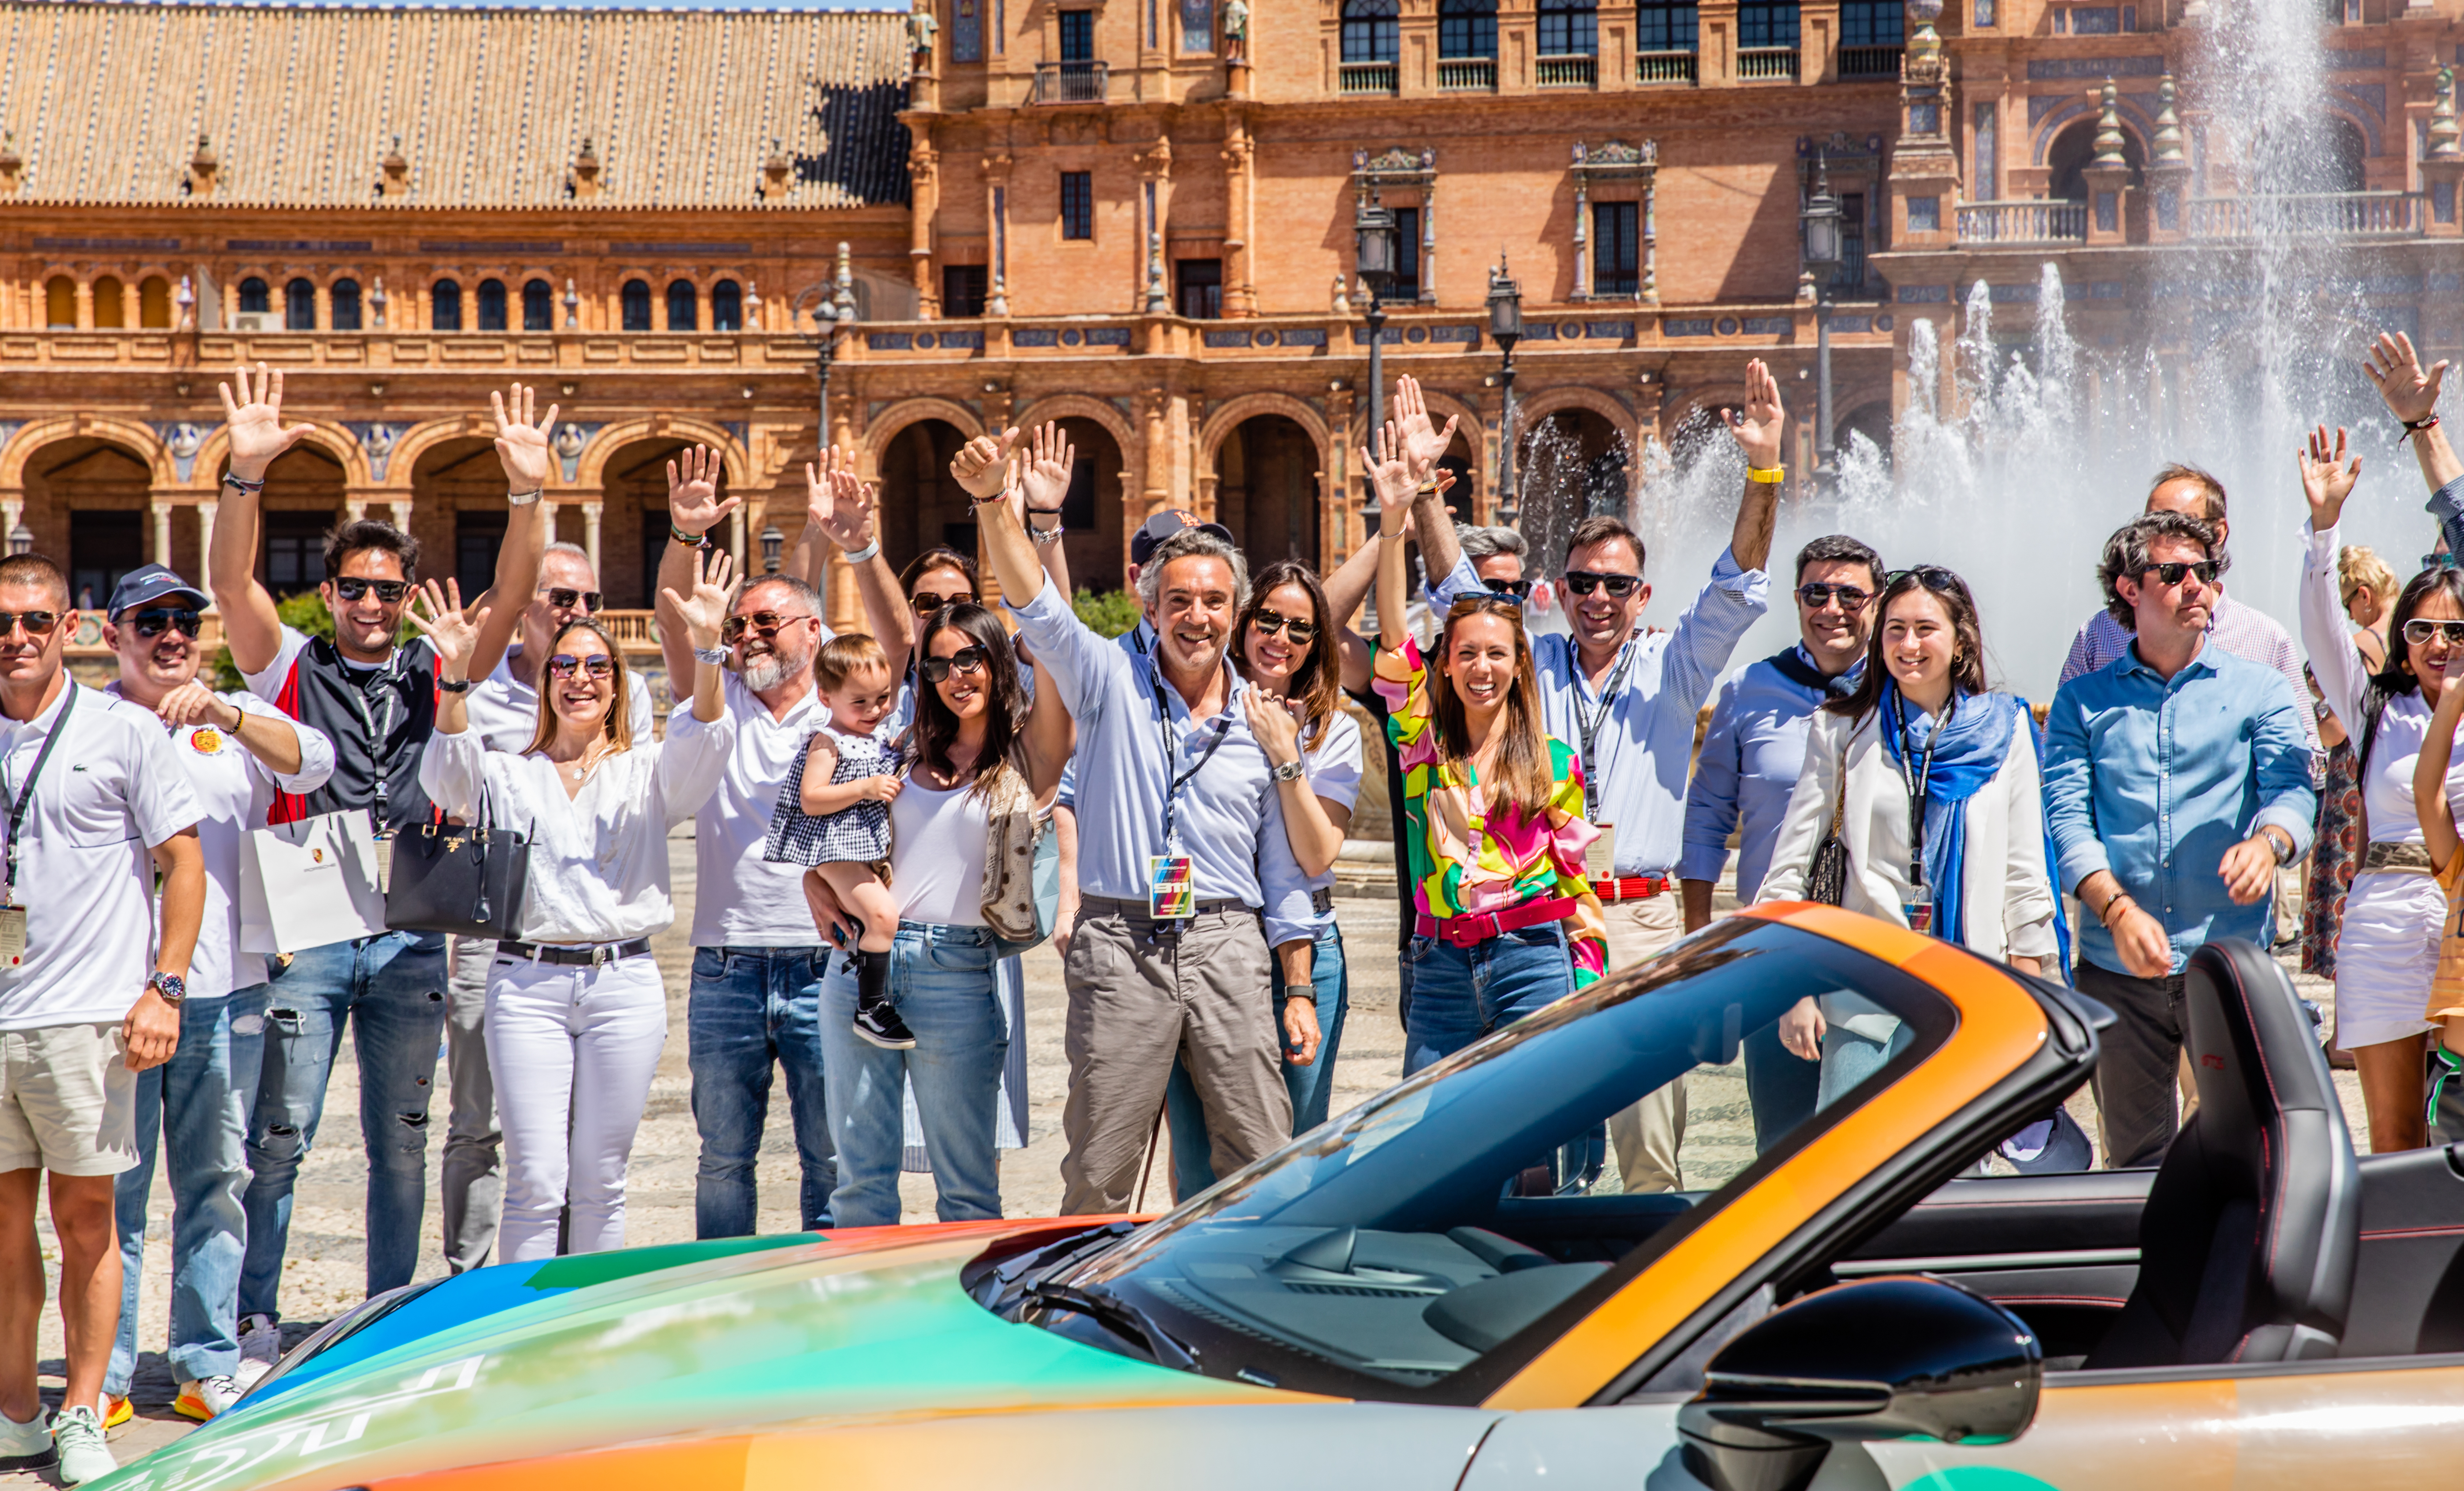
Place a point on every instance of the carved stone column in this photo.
(205, 511)
(1156, 468)
(161, 507)
(591, 513)
(924, 170)
(1240, 296)
(997, 168)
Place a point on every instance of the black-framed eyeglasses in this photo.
(926, 602)
(1816, 595)
(352, 587)
(37, 624)
(151, 624)
(966, 660)
(731, 631)
(1519, 589)
(2421, 629)
(2173, 573)
(1583, 581)
(1301, 633)
(560, 598)
(598, 664)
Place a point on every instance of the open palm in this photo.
(836, 500)
(2326, 479)
(713, 591)
(521, 441)
(694, 501)
(254, 422)
(1758, 426)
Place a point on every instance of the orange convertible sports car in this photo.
(1446, 1290)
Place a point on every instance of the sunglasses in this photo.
(598, 664)
(2420, 631)
(352, 587)
(151, 624)
(926, 602)
(1817, 594)
(1517, 588)
(966, 660)
(2173, 573)
(564, 599)
(731, 631)
(1494, 605)
(1301, 633)
(1583, 581)
(37, 624)
(1933, 576)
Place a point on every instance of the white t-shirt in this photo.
(233, 791)
(1334, 767)
(504, 710)
(940, 878)
(112, 791)
(741, 899)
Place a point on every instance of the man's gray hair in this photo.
(2126, 555)
(574, 549)
(1183, 545)
(1479, 543)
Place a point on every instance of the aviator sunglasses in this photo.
(598, 664)
(1301, 633)
(564, 599)
(926, 602)
(966, 660)
(152, 624)
(767, 623)
(2421, 629)
(1817, 594)
(37, 624)
(1519, 589)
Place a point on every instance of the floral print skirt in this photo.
(2333, 859)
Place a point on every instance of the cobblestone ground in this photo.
(325, 1273)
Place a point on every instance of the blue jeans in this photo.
(750, 1009)
(946, 985)
(1460, 994)
(1849, 1058)
(390, 989)
(200, 1099)
(1311, 1086)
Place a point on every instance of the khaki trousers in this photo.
(1647, 1135)
(1139, 997)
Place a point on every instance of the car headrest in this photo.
(2252, 1051)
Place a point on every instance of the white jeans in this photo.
(572, 1050)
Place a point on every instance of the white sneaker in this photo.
(78, 1432)
(26, 1446)
(260, 1347)
(201, 1398)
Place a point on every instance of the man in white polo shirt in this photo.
(237, 751)
(504, 712)
(89, 785)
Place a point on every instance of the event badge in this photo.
(1919, 910)
(1600, 861)
(384, 861)
(12, 934)
(1172, 888)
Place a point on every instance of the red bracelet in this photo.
(2411, 429)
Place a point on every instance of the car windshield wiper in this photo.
(1121, 1317)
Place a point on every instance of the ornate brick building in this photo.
(1134, 216)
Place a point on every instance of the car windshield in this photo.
(1424, 1245)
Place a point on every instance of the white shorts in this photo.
(2385, 955)
(68, 1101)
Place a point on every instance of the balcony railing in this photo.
(2342, 214)
(1663, 67)
(1568, 72)
(2023, 222)
(1365, 78)
(1869, 61)
(1069, 83)
(1467, 75)
(1753, 62)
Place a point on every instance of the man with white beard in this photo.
(755, 999)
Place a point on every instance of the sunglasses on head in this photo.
(2421, 629)
(1583, 581)
(351, 587)
(767, 623)
(1487, 600)
(598, 664)
(1817, 594)
(37, 624)
(926, 602)
(1301, 633)
(1933, 576)
(2172, 574)
(564, 599)
(151, 624)
(1517, 588)
(966, 660)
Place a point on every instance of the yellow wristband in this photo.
(1774, 476)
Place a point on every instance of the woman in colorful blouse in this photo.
(1493, 806)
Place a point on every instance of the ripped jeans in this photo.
(390, 989)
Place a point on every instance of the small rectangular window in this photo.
(1761, 26)
(1987, 174)
(1925, 215)
(1850, 273)
(1198, 288)
(1407, 255)
(1569, 27)
(478, 536)
(1661, 26)
(1077, 36)
(1985, 12)
(1078, 504)
(1077, 204)
(1617, 248)
(1871, 23)
(295, 549)
(962, 290)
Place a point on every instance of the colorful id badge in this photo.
(1599, 860)
(1919, 910)
(12, 934)
(1172, 888)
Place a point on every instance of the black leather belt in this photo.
(597, 955)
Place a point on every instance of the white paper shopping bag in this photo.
(308, 884)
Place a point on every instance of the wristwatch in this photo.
(453, 685)
(1296, 991)
(2278, 843)
(715, 657)
(171, 986)
(1290, 771)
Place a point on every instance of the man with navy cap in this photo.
(236, 752)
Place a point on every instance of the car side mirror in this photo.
(1877, 1359)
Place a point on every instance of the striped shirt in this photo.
(2242, 630)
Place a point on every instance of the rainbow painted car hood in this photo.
(522, 1361)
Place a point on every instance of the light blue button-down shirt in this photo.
(1645, 741)
(2154, 779)
(1228, 817)
(1753, 751)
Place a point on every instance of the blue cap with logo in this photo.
(148, 583)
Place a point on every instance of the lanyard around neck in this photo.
(1588, 722)
(1919, 786)
(1172, 750)
(20, 802)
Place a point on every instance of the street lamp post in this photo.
(1506, 329)
(1373, 266)
(1820, 218)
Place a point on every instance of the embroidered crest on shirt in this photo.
(206, 740)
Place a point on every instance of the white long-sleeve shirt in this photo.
(599, 859)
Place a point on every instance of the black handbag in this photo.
(1826, 879)
(464, 879)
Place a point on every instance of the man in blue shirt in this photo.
(2177, 778)
(1753, 751)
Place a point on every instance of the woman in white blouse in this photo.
(1934, 781)
(577, 1012)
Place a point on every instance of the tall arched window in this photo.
(255, 297)
(59, 303)
(345, 298)
(683, 315)
(726, 306)
(154, 303)
(299, 305)
(1369, 30)
(1467, 28)
(1570, 28)
(491, 305)
(637, 305)
(108, 311)
(539, 306)
(444, 306)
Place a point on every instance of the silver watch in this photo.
(715, 657)
(1290, 771)
(171, 986)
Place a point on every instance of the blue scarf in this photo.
(1968, 748)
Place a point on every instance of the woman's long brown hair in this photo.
(1317, 684)
(1523, 776)
(617, 729)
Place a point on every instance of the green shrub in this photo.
(1107, 614)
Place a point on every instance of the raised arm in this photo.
(1044, 472)
(2326, 632)
(1758, 429)
(1051, 735)
(843, 512)
(694, 509)
(1389, 475)
(522, 449)
(1423, 443)
(257, 434)
(2430, 771)
(2412, 395)
(699, 616)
